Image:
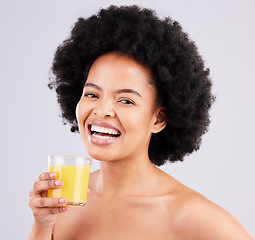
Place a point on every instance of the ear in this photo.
(160, 120)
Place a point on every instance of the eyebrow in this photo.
(125, 90)
(93, 85)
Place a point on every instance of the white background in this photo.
(222, 170)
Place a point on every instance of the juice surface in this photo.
(76, 180)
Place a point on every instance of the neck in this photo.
(125, 177)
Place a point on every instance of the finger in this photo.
(44, 212)
(56, 210)
(47, 176)
(31, 193)
(49, 202)
(40, 186)
(88, 191)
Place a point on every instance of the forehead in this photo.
(121, 71)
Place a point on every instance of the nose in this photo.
(104, 109)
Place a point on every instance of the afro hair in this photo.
(181, 80)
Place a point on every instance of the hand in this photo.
(45, 209)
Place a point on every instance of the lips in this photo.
(101, 133)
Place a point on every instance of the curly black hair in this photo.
(181, 80)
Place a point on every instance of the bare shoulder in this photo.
(198, 218)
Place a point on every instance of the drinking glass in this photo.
(74, 172)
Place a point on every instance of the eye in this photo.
(126, 101)
(90, 95)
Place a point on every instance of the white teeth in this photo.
(102, 137)
(103, 130)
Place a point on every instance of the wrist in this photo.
(41, 231)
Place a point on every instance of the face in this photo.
(116, 113)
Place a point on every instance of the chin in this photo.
(101, 155)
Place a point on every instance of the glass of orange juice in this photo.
(74, 172)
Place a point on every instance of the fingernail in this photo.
(64, 208)
(58, 183)
(62, 200)
(52, 175)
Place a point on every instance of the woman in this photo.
(137, 91)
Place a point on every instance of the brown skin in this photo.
(161, 212)
(129, 197)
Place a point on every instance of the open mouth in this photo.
(103, 132)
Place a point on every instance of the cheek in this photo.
(138, 121)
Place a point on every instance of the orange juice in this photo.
(76, 180)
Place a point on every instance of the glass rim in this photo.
(57, 159)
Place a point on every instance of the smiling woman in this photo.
(137, 91)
